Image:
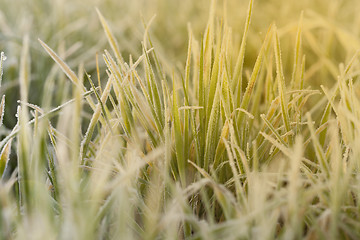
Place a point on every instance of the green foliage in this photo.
(244, 139)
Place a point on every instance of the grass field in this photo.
(167, 119)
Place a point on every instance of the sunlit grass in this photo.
(253, 135)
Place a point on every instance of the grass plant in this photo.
(203, 128)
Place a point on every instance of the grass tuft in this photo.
(208, 121)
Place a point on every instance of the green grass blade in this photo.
(187, 129)
(295, 81)
(273, 130)
(114, 45)
(154, 90)
(202, 111)
(318, 149)
(238, 71)
(94, 120)
(250, 87)
(179, 144)
(281, 83)
(226, 94)
(156, 58)
(220, 149)
(215, 72)
(4, 157)
(211, 140)
(104, 112)
(69, 73)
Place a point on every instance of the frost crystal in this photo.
(2, 107)
(2, 59)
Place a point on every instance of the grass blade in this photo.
(250, 87)
(69, 73)
(238, 71)
(2, 59)
(2, 109)
(4, 157)
(295, 81)
(211, 140)
(318, 149)
(110, 37)
(179, 144)
(94, 120)
(281, 83)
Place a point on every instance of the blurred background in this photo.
(72, 29)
